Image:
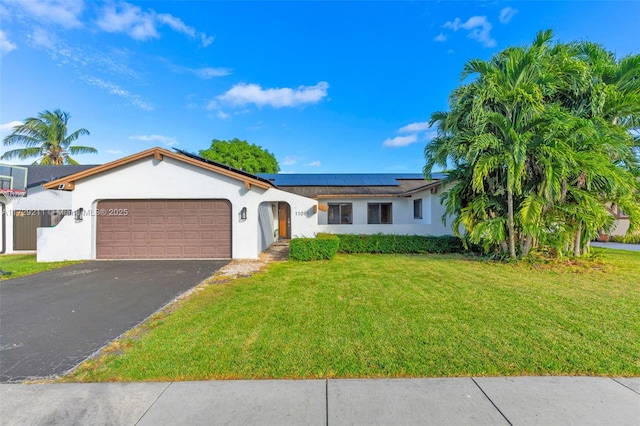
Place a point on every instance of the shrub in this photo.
(324, 246)
(382, 243)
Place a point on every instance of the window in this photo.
(417, 208)
(340, 214)
(379, 213)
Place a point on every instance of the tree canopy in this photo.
(46, 138)
(241, 155)
(543, 143)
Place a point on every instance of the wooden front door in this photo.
(284, 221)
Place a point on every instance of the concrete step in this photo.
(277, 252)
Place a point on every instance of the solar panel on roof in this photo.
(340, 179)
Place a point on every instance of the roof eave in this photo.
(68, 182)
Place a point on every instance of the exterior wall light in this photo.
(243, 214)
(79, 214)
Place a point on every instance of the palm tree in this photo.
(46, 137)
(492, 122)
(541, 146)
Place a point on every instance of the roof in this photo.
(340, 179)
(68, 182)
(223, 166)
(37, 175)
(353, 185)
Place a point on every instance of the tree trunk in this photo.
(512, 237)
(504, 247)
(577, 246)
(527, 246)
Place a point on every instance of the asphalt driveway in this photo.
(52, 321)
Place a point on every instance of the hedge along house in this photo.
(159, 204)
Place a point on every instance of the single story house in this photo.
(161, 204)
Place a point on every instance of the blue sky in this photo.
(327, 87)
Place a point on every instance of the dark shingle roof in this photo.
(37, 175)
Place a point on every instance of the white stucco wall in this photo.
(620, 227)
(402, 216)
(149, 178)
(37, 200)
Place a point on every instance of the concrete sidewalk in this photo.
(456, 401)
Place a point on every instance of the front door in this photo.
(284, 221)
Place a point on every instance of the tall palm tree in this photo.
(492, 122)
(541, 146)
(46, 138)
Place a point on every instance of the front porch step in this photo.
(277, 252)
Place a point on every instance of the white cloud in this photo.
(5, 44)
(415, 127)
(42, 38)
(440, 37)
(206, 40)
(399, 141)
(204, 73)
(142, 25)
(114, 89)
(288, 161)
(223, 115)
(314, 164)
(130, 19)
(415, 130)
(7, 128)
(166, 140)
(62, 12)
(507, 14)
(478, 29)
(208, 72)
(243, 94)
(176, 24)
(114, 152)
(454, 25)
(83, 58)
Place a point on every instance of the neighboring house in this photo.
(38, 208)
(621, 225)
(164, 204)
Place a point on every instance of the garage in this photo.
(163, 229)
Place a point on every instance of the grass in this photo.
(394, 316)
(25, 264)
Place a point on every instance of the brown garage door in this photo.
(163, 229)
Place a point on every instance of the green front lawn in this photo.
(25, 264)
(394, 316)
